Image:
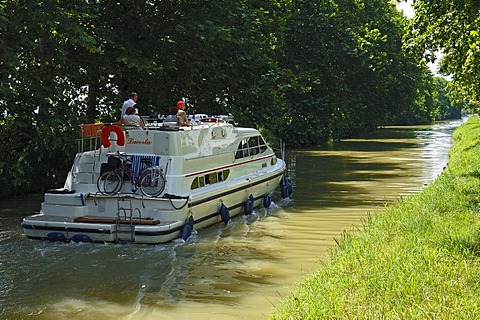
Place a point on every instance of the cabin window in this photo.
(194, 184)
(210, 178)
(239, 152)
(250, 147)
(225, 174)
(253, 146)
(262, 145)
(197, 182)
(222, 175)
(244, 149)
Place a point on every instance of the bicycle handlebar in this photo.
(126, 157)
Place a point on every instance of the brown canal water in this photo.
(243, 270)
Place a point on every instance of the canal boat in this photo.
(155, 185)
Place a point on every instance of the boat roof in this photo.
(195, 140)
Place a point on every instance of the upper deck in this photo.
(190, 142)
(183, 153)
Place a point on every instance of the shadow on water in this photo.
(371, 170)
(242, 270)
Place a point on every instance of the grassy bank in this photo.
(419, 259)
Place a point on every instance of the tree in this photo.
(40, 109)
(304, 71)
(344, 70)
(451, 27)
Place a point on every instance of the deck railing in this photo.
(89, 136)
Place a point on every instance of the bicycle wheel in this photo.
(152, 183)
(109, 183)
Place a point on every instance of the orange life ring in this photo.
(106, 135)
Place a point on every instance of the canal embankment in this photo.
(417, 259)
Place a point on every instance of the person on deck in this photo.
(132, 101)
(172, 116)
(131, 118)
(181, 114)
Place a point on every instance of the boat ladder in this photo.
(124, 222)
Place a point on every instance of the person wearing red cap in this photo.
(181, 114)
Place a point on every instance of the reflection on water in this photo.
(242, 270)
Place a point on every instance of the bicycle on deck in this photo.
(151, 180)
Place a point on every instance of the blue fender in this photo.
(284, 191)
(224, 213)
(248, 205)
(191, 221)
(267, 201)
(186, 231)
(81, 238)
(56, 236)
(286, 188)
(288, 183)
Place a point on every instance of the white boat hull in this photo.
(205, 169)
(141, 219)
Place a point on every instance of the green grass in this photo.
(418, 259)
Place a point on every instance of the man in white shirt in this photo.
(129, 103)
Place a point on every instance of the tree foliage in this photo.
(452, 28)
(304, 71)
